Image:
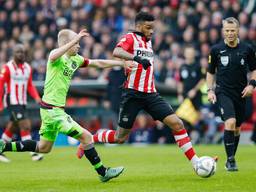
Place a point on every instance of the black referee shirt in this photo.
(231, 65)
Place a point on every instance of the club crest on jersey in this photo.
(69, 119)
(74, 65)
(242, 61)
(184, 74)
(224, 60)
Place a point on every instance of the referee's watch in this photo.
(209, 89)
(252, 82)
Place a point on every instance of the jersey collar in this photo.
(141, 34)
(238, 42)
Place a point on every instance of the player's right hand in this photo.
(212, 97)
(145, 63)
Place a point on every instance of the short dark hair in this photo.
(144, 16)
(231, 20)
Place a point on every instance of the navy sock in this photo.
(237, 138)
(21, 146)
(92, 156)
(229, 142)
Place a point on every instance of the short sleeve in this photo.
(212, 62)
(126, 42)
(85, 62)
(55, 62)
(80, 61)
(252, 58)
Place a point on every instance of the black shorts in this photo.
(231, 107)
(17, 112)
(134, 101)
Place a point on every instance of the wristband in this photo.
(252, 82)
(210, 89)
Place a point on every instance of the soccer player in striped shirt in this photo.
(17, 76)
(62, 63)
(139, 91)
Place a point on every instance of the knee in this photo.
(178, 125)
(25, 127)
(237, 131)
(175, 123)
(44, 149)
(86, 138)
(230, 124)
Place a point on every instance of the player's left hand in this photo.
(128, 65)
(247, 91)
(192, 93)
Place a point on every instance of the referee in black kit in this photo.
(231, 60)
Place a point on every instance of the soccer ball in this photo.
(205, 166)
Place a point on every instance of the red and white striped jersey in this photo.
(138, 78)
(18, 79)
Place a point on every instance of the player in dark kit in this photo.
(139, 91)
(230, 61)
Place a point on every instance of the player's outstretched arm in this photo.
(56, 53)
(100, 63)
(122, 54)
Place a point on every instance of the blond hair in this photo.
(231, 20)
(64, 36)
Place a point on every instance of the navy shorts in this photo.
(132, 102)
(231, 107)
(17, 112)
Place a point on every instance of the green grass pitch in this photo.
(154, 168)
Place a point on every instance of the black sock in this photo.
(229, 142)
(92, 156)
(21, 146)
(237, 138)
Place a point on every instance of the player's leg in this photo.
(25, 134)
(24, 125)
(237, 138)
(159, 109)
(109, 136)
(92, 155)
(16, 114)
(129, 108)
(7, 137)
(42, 146)
(48, 133)
(8, 132)
(18, 146)
(227, 111)
(73, 129)
(181, 137)
(240, 117)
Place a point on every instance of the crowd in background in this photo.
(35, 23)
